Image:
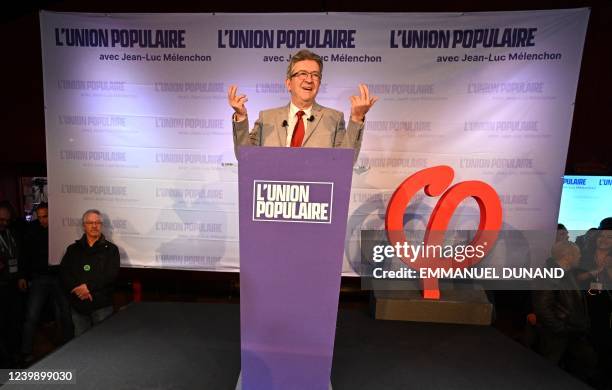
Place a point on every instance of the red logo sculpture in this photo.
(435, 181)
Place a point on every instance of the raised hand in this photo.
(237, 102)
(361, 104)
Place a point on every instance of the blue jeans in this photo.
(83, 322)
(42, 289)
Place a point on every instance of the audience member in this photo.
(598, 252)
(44, 283)
(88, 270)
(11, 285)
(562, 233)
(563, 319)
(600, 310)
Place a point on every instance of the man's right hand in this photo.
(237, 103)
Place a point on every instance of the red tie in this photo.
(298, 131)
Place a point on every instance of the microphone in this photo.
(311, 118)
(285, 123)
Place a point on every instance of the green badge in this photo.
(87, 267)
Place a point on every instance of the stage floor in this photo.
(197, 346)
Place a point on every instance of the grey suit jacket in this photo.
(327, 130)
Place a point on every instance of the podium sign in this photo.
(293, 214)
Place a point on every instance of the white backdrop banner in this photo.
(138, 124)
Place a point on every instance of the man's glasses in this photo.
(93, 223)
(303, 75)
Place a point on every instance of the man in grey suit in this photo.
(303, 122)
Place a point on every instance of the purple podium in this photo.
(293, 213)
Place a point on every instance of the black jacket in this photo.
(600, 307)
(562, 308)
(96, 266)
(35, 253)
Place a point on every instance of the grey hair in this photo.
(303, 55)
(91, 211)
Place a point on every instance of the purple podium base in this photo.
(239, 384)
(293, 212)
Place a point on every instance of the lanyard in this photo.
(8, 245)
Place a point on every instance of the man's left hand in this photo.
(82, 292)
(22, 284)
(361, 104)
